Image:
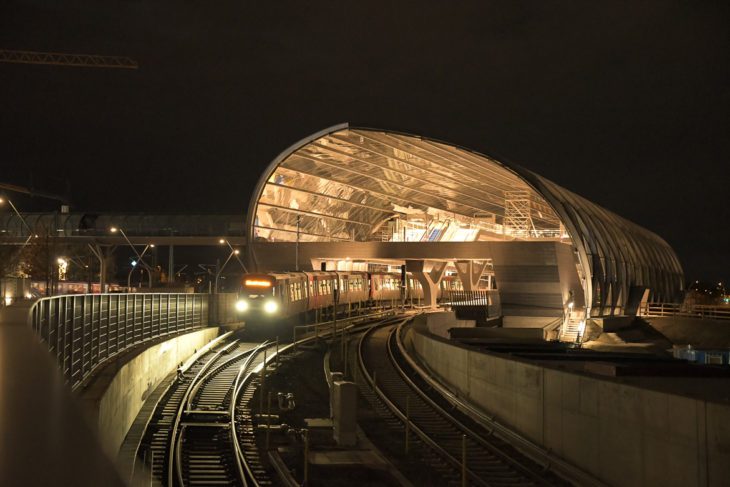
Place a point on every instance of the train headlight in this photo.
(271, 307)
(241, 305)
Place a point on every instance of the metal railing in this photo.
(85, 331)
(695, 311)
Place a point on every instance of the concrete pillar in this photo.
(345, 413)
(469, 272)
(429, 280)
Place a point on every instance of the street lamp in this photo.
(225, 241)
(234, 252)
(22, 220)
(140, 257)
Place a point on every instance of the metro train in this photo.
(291, 298)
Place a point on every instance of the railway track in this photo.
(190, 439)
(459, 448)
(202, 429)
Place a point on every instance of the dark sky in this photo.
(626, 103)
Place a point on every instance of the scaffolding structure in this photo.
(518, 214)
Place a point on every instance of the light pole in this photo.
(140, 257)
(3, 200)
(144, 265)
(225, 241)
(218, 273)
(30, 231)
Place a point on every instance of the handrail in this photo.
(351, 320)
(701, 311)
(85, 331)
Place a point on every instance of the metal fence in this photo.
(695, 311)
(85, 331)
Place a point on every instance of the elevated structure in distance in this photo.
(349, 195)
(141, 229)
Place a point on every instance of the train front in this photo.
(257, 298)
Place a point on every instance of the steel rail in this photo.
(536, 453)
(454, 462)
(238, 385)
(459, 425)
(174, 454)
(215, 370)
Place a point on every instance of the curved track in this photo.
(189, 438)
(489, 460)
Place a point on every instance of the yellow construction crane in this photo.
(67, 59)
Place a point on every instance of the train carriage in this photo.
(282, 300)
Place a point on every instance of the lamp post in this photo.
(144, 265)
(225, 241)
(22, 220)
(3, 200)
(218, 273)
(140, 257)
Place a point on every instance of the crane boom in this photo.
(67, 59)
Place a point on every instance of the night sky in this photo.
(626, 103)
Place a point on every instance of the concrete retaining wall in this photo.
(116, 396)
(700, 333)
(621, 434)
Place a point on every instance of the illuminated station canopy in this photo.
(348, 184)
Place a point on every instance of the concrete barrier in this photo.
(117, 393)
(622, 433)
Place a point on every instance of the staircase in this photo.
(571, 329)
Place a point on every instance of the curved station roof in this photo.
(360, 184)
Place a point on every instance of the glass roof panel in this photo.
(364, 185)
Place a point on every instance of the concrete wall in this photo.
(621, 434)
(700, 333)
(115, 397)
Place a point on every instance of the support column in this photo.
(469, 272)
(429, 280)
(171, 265)
(98, 252)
